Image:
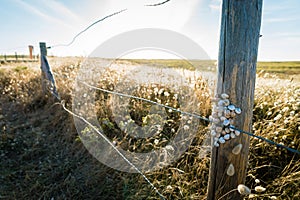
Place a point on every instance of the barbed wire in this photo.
(100, 20)
(149, 101)
(84, 30)
(114, 147)
(195, 115)
(88, 27)
(158, 4)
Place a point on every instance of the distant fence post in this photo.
(48, 81)
(43, 52)
(5, 59)
(16, 56)
(31, 51)
(240, 30)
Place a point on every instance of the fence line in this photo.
(17, 58)
(149, 101)
(197, 116)
(165, 106)
(13, 55)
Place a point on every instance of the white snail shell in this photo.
(230, 170)
(238, 111)
(226, 122)
(231, 107)
(237, 132)
(224, 96)
(221, 140)
(237, 149)
(227, 136)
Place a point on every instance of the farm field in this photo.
(42, 156)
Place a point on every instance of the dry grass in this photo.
(42, 156)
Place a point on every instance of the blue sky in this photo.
(55, 22)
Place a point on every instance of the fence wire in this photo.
(165, 106)
(100, 20)
(84, 30)
(158, 4)
(195, 115)
(115, 148)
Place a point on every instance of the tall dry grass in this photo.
(42, 156)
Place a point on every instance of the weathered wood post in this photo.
(31, 51)
(43, 52)
(48, 81)
(239, 38)
(43, 49)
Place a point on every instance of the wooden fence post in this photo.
(16, 56)
(43, 49)
(31, 51)
(239, 38)
(48, 81)
(43, 52)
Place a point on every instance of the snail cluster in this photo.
(222, 118)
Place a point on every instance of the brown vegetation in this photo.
(42, 156)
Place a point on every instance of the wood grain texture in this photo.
(239, 38)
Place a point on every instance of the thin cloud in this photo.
(37, 11)
(61, 10)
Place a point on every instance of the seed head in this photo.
(260, 189)
(243, 189)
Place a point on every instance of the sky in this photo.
(29, 22)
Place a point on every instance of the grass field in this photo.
(280, 67)
(42, 156)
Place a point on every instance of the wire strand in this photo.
(114, 147)
(149, 101)
(158, 4)
(162, 105)
(100, 20)
(193, 115)
(267, 140)
(84, 30)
